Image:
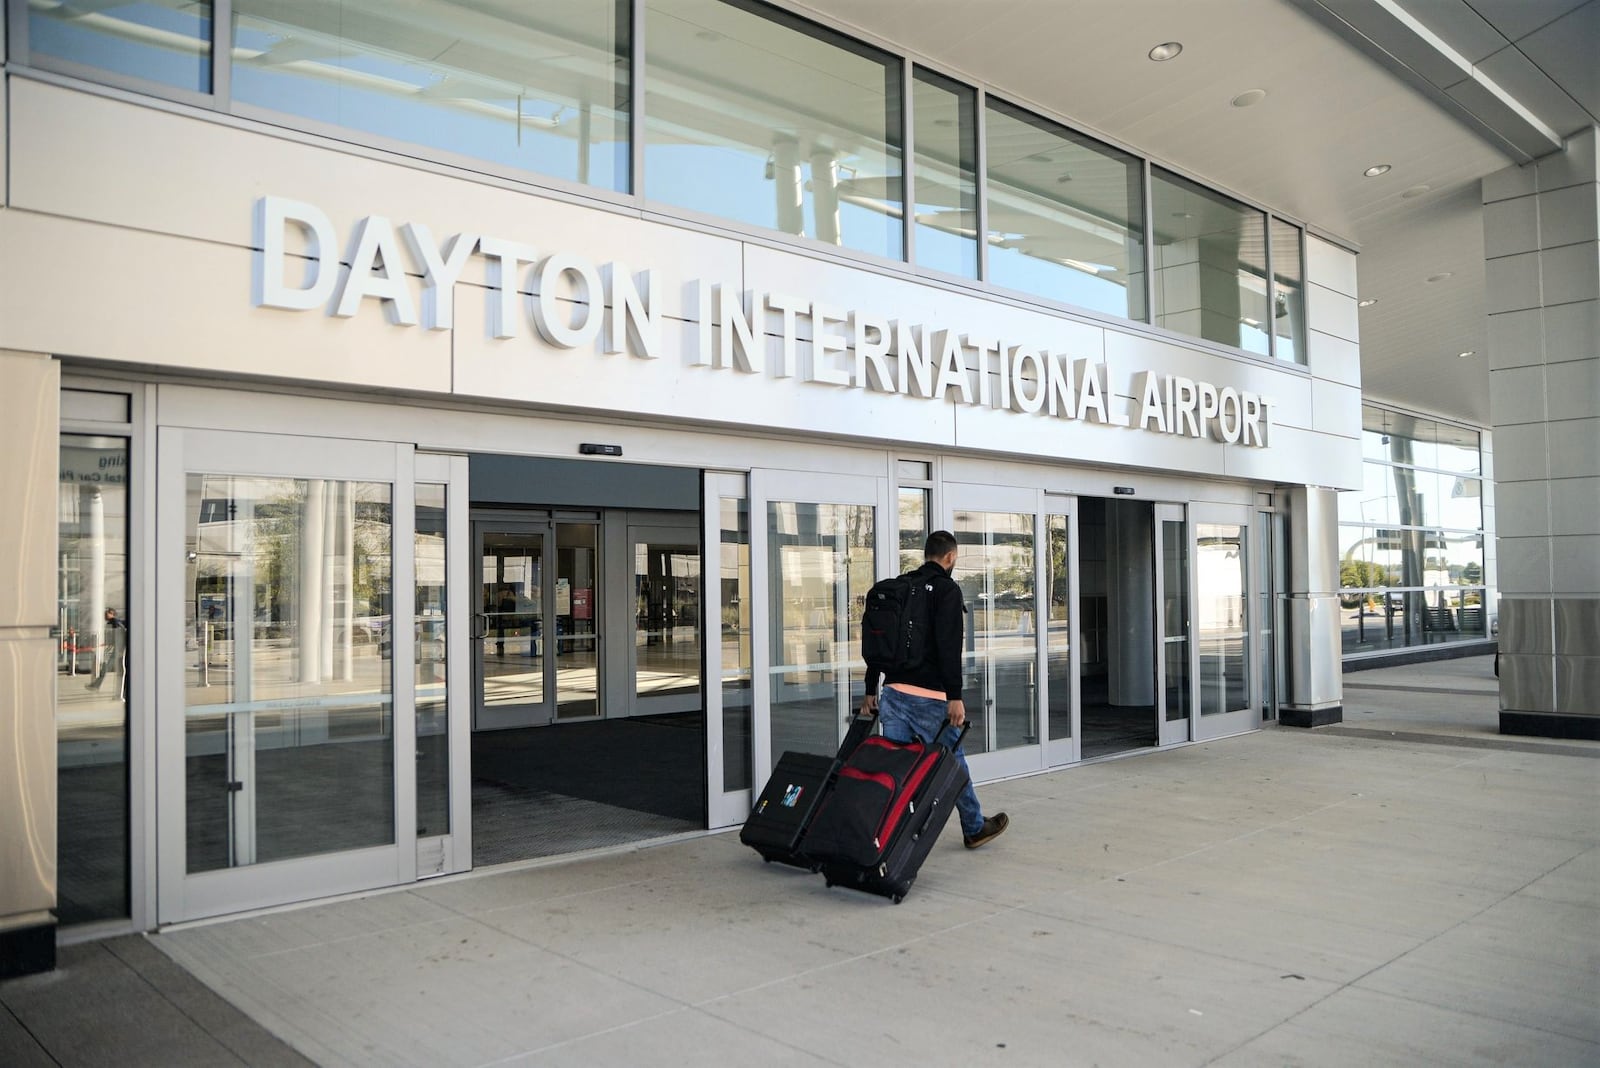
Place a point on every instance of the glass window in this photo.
(1459, 449)
(1210, 264)
(913, 528)
(1223, 626)
(737, 671)
(288, 679)
(540, 87)
(946, 212)
(1288, 293)
(92, 680)
(1058, 632)
(166, 41)
(433, 739)
(1065, 214)
(758, 116)
(820, 561)
(995, 572)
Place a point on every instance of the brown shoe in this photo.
(993, 828)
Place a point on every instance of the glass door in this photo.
(664, 655)
(509, 640)
(817, 553)
(1222, 604)
(997, 568)
(1174, 660)
(574, 639)
(286, 749)
(1057, 625)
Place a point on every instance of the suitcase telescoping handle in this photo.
(953, 746)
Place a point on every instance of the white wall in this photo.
(130, 241)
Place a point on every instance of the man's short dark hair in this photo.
(939, 544)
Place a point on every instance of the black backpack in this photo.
(897, 626)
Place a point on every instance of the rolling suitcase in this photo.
(880, 820)
(777, 824)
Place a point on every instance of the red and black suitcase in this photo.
(776, 827)
(880, 820)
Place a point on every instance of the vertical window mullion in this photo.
(1272, 293)
(981, 227)
(222, 54)
(1149, 246)
(636, 75)
(908, 175)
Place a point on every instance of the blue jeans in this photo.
(906, 717)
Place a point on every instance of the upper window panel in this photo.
(759, 117)
(946, 142)
(535, 87)
(1065, 214)
(165, 41)
(1288, 293)
(1210, 264)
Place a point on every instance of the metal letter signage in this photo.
(574, 303)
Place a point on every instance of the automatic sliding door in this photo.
(1222, 625)
(509, 636)
(1172, 598)
(818, 555)
(575, 637)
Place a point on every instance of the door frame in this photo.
(766, 486)
(185, 896)
(1248, 718)
(1059, 751)
(654, 527)
(967, 497)
(1173, 732)
(527, 714)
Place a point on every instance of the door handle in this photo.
(480, 626)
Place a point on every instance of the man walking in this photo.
(920, 699)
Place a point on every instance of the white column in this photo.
(1542, 243)
(825, 194)
(788, 190)
(1316, 682)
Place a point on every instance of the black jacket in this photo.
(941, 668)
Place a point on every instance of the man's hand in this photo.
(958, 713)
(869, 705)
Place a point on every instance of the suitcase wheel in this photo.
(827, 882)
(898, 898)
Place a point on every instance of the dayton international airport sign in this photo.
(623, 312)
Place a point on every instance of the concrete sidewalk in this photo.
(1286, 897)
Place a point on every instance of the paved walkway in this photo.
(1282, 898)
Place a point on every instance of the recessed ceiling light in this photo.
(1369, 302)
(1182, 215)
(944, 122)
(1249, 98)
(1416, 191)
(1464, 355)
(708, 35)
(1163, 52)
(1441, 276)
(1374, 171)
(1064, 179)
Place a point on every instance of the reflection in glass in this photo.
(1288, 293)
(1058, 631)
(1175, 616)
(576, 642)
(92, 680)
(666, 632)
(995, 573)
(737, 670)
(755, 115)
(288, 681)
(913, 527)
(512, 602)
(166, 41)
(1210, 264)
(1223, 626)
(1065, 214)
(540, 87)
(946, 139)
(820, 566)
(433, 739)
